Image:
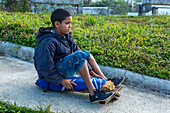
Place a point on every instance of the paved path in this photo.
(17, 80)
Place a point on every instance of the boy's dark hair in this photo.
(59, 15)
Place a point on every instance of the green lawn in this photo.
(140, 44)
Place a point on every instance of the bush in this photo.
(139, 44)
(15, 5)
(6, 107)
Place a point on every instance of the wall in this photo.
(75, 2)
(47, 3)
(50, 8)
(154, 2)
(96, 10)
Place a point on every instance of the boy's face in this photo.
(64, 27)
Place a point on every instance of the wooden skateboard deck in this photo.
(114, 97)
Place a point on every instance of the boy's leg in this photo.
(95, 95)
(97, 70)
(95, 67)
(84, 72)
(78, 62)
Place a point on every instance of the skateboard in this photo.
(114, 97)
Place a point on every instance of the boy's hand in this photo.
(96, 75)
(68, 84)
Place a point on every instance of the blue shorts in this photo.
(72, 63)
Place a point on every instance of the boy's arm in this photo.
(93, 74)
(73, 45)
(68, 84)
(45, 63)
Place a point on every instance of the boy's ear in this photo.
(57, 24)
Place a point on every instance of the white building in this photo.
(156, 9)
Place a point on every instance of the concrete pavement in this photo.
(17, 80)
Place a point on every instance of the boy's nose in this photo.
(70, 26)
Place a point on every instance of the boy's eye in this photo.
(68, 22)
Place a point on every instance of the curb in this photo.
(134, 79)
(17, 51)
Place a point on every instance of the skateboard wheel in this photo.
(118, 95)
(45, 90)
(114, 99)
(102, 102)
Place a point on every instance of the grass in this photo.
(139, 44)
(6, 107)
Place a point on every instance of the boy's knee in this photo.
(91, 56)
(80, 54)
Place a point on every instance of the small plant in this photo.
(6, 107)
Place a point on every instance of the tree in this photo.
(136, 7)
(102, 3)
(120, 7)
(16, 5)
(86, 3)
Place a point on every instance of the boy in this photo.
(57, 57)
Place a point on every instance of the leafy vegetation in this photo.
(6, 107)
(118, 6)
(15, 5)
(139, 44)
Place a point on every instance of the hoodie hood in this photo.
(47, 32)
(43, 33)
